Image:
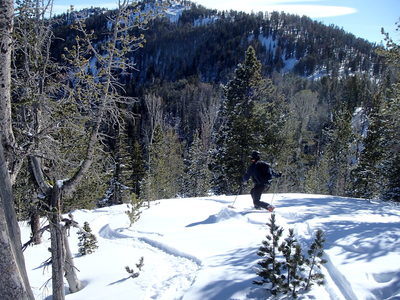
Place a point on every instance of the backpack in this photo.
(264, 172)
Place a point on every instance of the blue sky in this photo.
(363, 18)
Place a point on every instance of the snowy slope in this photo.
(200, 249)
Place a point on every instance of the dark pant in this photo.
(256, 193)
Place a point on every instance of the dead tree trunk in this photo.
(57, 247)
(73, 282)
(34, 216)
(14, 282)
(62, 261)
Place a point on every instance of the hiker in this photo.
(261, 174)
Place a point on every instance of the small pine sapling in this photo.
(271, 267)
(294, 260)
(315, 260)
(134, 211)
(87, 240)
(139, 266)
(297, 271)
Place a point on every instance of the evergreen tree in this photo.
(248, 117)
(283, 264)
(391, 136)
(390, 166)
(294, 260)
(87, 240)
(121, 182)
(236, 135)
(315, 260)
(338, 152)
(271, 267)
(197, 175)
(134, 211)
(138, 170)
(379, 167)
(163, 179)
(303, 108)
(366, 177)
(317, 177)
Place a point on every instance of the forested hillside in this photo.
(307, 96)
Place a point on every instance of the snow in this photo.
(268, 42)
(200, 248)
(174, 12)
(205, 21)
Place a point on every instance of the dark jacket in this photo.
(260, 172)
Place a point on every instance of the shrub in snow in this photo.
(283, 268)
(87, 240)
(134, 211)
(139, 267)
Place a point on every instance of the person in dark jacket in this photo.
(261, 174)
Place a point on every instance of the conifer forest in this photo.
(101, 107)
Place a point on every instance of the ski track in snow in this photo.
(339, 279)
(357, 232)
(182, 267)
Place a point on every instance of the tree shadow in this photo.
(242, 261)
(119, 281)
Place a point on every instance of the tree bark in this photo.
(73, 282)
(14, 283)
(6, 28)
(57, 245)
(35, 224)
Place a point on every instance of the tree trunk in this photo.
(70, 274)
(35, 224)
(6, 28)
(14, 282)
(62, 261)
(57, 247)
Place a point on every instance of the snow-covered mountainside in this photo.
(200, 248)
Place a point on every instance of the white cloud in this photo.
(311, 10)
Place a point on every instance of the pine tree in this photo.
(138, 170)
(293, 264)
(236, 138)
(340, 138)
(163, 179)
(87, 240)
(317, 177)
(134, 211)
(250, 119)
(271, 267)
(391, 110)
(303, 106)
(390, 166)
(197, 175)
(283, 264)
(121, 182)
(315, 260)
(379, 167)
(366, 177)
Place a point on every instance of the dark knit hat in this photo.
(255, 155)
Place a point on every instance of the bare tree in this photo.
(153, 105)
(93, 101)
(14, 282)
